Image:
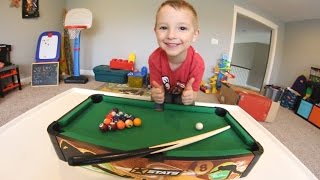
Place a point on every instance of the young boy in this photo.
(176, 69)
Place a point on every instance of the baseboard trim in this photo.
(26, 80)
(86, 72)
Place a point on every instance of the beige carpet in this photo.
(17, 102)
(299, 136)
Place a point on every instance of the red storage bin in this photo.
(315, 116)
(256, 105)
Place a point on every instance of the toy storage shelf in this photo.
(9, 79)
(314, 74)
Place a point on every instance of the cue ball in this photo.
(199, 126)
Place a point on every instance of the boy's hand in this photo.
(188, 95)
(157, 92)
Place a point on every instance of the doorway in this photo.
(252, 49)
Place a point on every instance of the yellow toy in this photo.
(132, 57)
(213, 84)
(204, 88)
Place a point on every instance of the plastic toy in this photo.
(308, 93)
(48, 47)
(77, 20)
(138, 79)
(204, 87)
(213, 84)
(132, 57)
(122, 64)
(222, 71)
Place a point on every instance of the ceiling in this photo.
(289, 10)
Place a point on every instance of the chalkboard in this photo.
(45, 74)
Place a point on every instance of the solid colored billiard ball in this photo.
(121, 125)
(199, 126)
(109, 116)
(137, 122)
(107, 121)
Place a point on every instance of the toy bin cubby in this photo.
(9, 73)
(314, 74)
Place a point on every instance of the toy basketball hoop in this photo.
(74, 31)
(76, 20)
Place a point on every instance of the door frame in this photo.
(274, 35)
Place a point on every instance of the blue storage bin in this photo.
(304, 109)
(289, 98)
(105, 74)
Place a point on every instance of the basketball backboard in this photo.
(78, 17)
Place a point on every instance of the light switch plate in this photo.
(214, 41)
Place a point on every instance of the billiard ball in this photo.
(129, 123)
(113, 113)
(137, 122)
(199, 126)
(103, 127)
(112, 126)
(109, 116)
(115, 110)
(121, 125)
(107, 121)
(115, 118)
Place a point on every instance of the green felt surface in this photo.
(174, 123)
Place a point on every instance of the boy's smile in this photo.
(175, 30)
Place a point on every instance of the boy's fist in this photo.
(188, 96)
(157, 92)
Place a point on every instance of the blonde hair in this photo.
(180, 4)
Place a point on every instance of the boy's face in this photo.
(175, 30)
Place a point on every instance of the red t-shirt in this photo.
(175, 81)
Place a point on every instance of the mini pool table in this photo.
(230, 154)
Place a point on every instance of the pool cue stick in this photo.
(109, 157)
(187, 141)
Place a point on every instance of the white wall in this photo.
(119, 28)
(302, 50)
(122, 26)
(23, 34)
